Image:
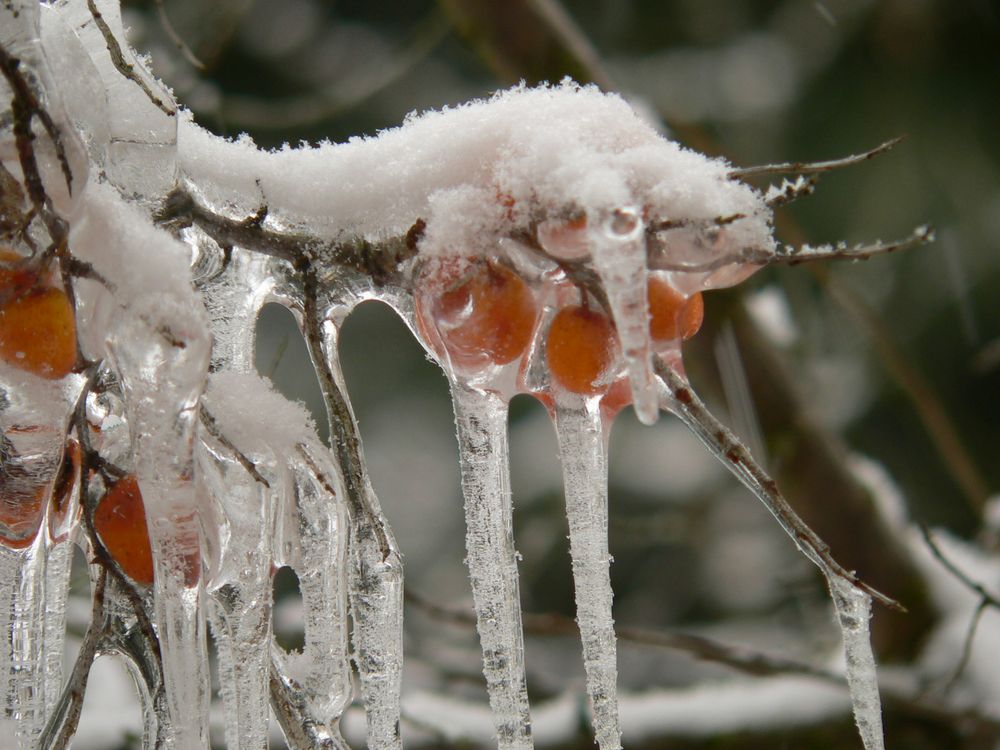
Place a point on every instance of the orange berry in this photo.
(580, 349)
(488, 315)
(120, 521)
(671, 314)
(38, 333)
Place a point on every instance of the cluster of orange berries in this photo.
(487, 315)
(38, 335)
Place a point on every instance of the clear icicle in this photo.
(853, 613)
(316, 548)
(482, 443)
(583, 443)
(161, 402)
(57, 575)
(22, 621)
(619, 253)
(240, 604)
(376, 568)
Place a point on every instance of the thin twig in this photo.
(925, 401)
(738, 658)
(681, 399)
(970, 636)
(798, 167)
(988, 597)
(209, 423)
(122, 65)
(65, 718)
(176, 38)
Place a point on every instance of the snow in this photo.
(457, 168)
(258, 420)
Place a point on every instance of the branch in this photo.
(208, 421)
(722, 442)
(816, 167)
(969, 583)
(65, 719)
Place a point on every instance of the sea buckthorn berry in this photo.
(671, 314)
(486, 314)
(580, 349)
(38, 333)
(120, 521)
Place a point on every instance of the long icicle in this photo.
(583, 445)
(481, 419)
(376, 567)
(851, 597)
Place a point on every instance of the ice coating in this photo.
(481, 419)
(852, 603)
(854, 613)
(375, 568)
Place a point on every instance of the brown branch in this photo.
(209, 423)
(65, 719)
(738, 658)
(122, 65)
(798, 167)
(693, 412)
(926, 403)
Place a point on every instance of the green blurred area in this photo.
(755, 82)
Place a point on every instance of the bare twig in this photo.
(988, 597)
(681, 399)
(970, 635)
(209, 423)
(798, 167)
(176, 38)
(122, 65)
(738, 658)
(65, 718)
(926, 403)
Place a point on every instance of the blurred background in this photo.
(857, 385)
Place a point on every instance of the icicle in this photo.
(853, 613)
(240, 608)
(376, 569)
(22, 621)
(583, 441)
(482, 444)
(163, 377)
(619, 256)
(316, 547)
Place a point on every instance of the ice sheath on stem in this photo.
(851, 601)
(481, 420)
(583, 442)
(375, 570)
